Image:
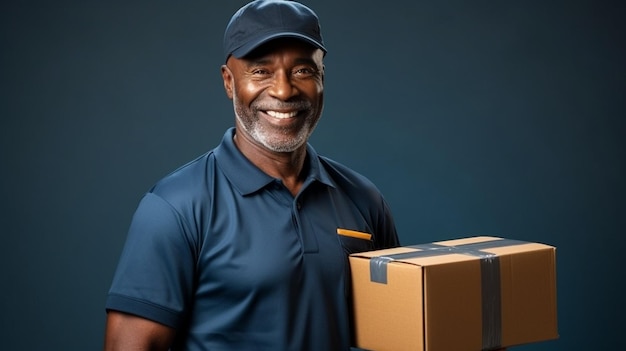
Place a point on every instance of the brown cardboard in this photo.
(435, 303)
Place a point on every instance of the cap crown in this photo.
(263, 20)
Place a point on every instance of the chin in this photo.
(276, 145)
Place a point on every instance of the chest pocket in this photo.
(353, 241)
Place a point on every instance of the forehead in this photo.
(286, 46)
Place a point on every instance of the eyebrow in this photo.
(261, 61)
(306, 61)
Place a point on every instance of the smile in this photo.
(282, 115)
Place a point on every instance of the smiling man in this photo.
(277, 92)
(245, 248)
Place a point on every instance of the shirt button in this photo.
(298, 205)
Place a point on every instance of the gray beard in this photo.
(264, 137)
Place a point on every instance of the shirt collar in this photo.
(248, 178)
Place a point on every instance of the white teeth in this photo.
(281, 115)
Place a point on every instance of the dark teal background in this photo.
(501, 118)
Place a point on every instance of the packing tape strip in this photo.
(489, 278)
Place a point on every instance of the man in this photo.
(245, 248)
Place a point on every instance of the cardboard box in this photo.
(471, 294)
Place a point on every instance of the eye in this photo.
(304, 72)
(260, 72)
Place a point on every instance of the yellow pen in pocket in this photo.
(354, 234)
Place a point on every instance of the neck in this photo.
(286, 166)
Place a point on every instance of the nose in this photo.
(282, 86)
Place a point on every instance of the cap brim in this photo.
(253, 44)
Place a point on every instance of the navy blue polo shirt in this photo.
(229, 257)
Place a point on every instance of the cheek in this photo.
(320, 96)
(241, 96)
(312, 92)
(249, 92)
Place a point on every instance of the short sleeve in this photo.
(154, 277)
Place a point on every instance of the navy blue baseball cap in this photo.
(263, 20)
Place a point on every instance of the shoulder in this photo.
(187, 182)
(354, 184)
(345, 176)
(177, 201)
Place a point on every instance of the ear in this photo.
(227, 77)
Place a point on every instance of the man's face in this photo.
(277, 93)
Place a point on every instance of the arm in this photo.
(129, 332)
(154, 280)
